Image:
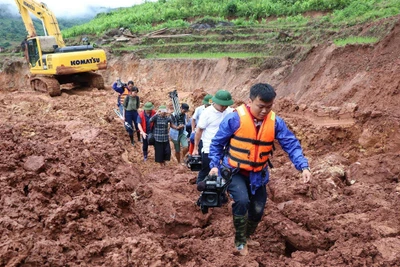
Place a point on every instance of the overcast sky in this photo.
(62, 8)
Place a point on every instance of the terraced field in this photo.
(266, 40)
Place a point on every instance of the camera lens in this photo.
(226, 173)
(210, 199)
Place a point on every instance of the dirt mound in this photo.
(14, 74)
(73, 191)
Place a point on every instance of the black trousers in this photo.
(162, 151)
(205, 167)
(244, 201)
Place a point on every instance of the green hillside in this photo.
(252, 29)
(12, 29)
(180, 13)
(235, 28)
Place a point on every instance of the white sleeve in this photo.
(203, 120)
(196, 115)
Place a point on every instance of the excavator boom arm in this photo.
(47, 17)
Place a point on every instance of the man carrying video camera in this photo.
(244, 142)
(207, 127)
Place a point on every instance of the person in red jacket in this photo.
(145, 126)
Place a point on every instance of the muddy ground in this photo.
(73, 191)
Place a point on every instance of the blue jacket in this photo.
(288, 141)
(119, 90)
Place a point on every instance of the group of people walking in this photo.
(241, 139)
(153, 122)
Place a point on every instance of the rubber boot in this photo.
(240, 223)
(139, 137)
(145, 155)
(131, 138)
(251, 228)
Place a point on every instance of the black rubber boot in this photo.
(131, 138)
(240, 223)
(251, 227)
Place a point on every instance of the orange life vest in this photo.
(248, 149)
(123, 95)
(143, 119)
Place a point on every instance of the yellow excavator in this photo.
(51, 62)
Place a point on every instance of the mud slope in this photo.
(74, 192)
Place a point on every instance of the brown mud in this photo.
(73, 191)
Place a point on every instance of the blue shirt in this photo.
(119, 90)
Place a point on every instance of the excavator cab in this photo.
(38, 46)
(33, 52)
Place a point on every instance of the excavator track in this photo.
(94, 80)
(83, 79)
(46, 85)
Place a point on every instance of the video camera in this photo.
(179, 117)
(194, 163)
(213, 190)
(121, 84)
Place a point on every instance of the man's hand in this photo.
(195, 151)
(213, 171)
(306, 175)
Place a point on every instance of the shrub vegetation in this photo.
(178, 13)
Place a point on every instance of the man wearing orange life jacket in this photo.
(123, 91)
(244, 143)
(145, 126)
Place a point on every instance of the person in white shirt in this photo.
(195, 118)
(197, 112)
(207, 127)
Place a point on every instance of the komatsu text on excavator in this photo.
(52, 63)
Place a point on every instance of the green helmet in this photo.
(148, 106)
(223, 98)
(207, 99)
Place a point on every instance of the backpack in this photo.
(137, 101)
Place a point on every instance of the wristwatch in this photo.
(306, 168)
